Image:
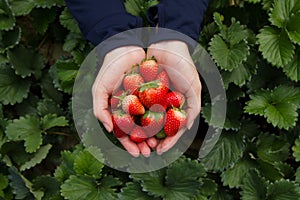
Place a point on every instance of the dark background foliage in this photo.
(255, 44)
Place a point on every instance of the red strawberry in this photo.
(152, 122)
(132, 105)
(149, 69)
(115, 99)
(163, 77)
(132, 82)
(123, 123)
(175, 99)
(153, 95)
(138, 135)
(175, 120)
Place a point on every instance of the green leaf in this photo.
(51, 120)
(226, 152)
(49, 185)
(3, 59)
(253, 1)
(216, 119)
(68, 21)
(21, 7)
(286, 169)
(133, 190)
(28, 129)
(222, 195)
(236, 33)
(253, 187)
(20, 190)
(49, 3)
(209, 187)
(64, 74)
(65, 169)
(40, 22)
(48, 106)
(86, 164)
(278, 106)
(9, 38)
(283, 190)
(234, 176)
(28, 106)
(266, 76)
(271, 148)
(7, 19)
(228, 57)
(293, 29)
(269, 170)
(74, 41)
(242, 73)
(282, 11)
(80, 187)
(3, 184)
(275, 46)
(26, 61)
(183, 184)
(48, 89)
(292, 69)
(37, 158)
(297, 174)
(267, 4)
(296, 149)
(173, 183)
(13, 89)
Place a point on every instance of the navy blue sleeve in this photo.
(100, 19)
(184, 16)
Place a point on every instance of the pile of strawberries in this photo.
(145, 106)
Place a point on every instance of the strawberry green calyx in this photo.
(149, 85)
(152, 58)
(161, 135)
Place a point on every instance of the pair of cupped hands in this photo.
(175, 59)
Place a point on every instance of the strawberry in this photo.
(163, 77)
(149, 69)
(132, 82)
(175, 99)
(152, 122)
(175, 120)
(138, 135)
(132, 105)
(153, 95)
(122, 123)
(115, 99)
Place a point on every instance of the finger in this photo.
(144, 149)
(193, 96)
(100, 107)
(152, 142)
(169, 142)
(130, 146)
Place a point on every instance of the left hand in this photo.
(175, 58)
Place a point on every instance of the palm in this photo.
(174, 57)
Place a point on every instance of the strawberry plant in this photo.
(254, 43)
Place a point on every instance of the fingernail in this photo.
(189, 126)
(135, 154)
(107, 127)
(159, 151)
